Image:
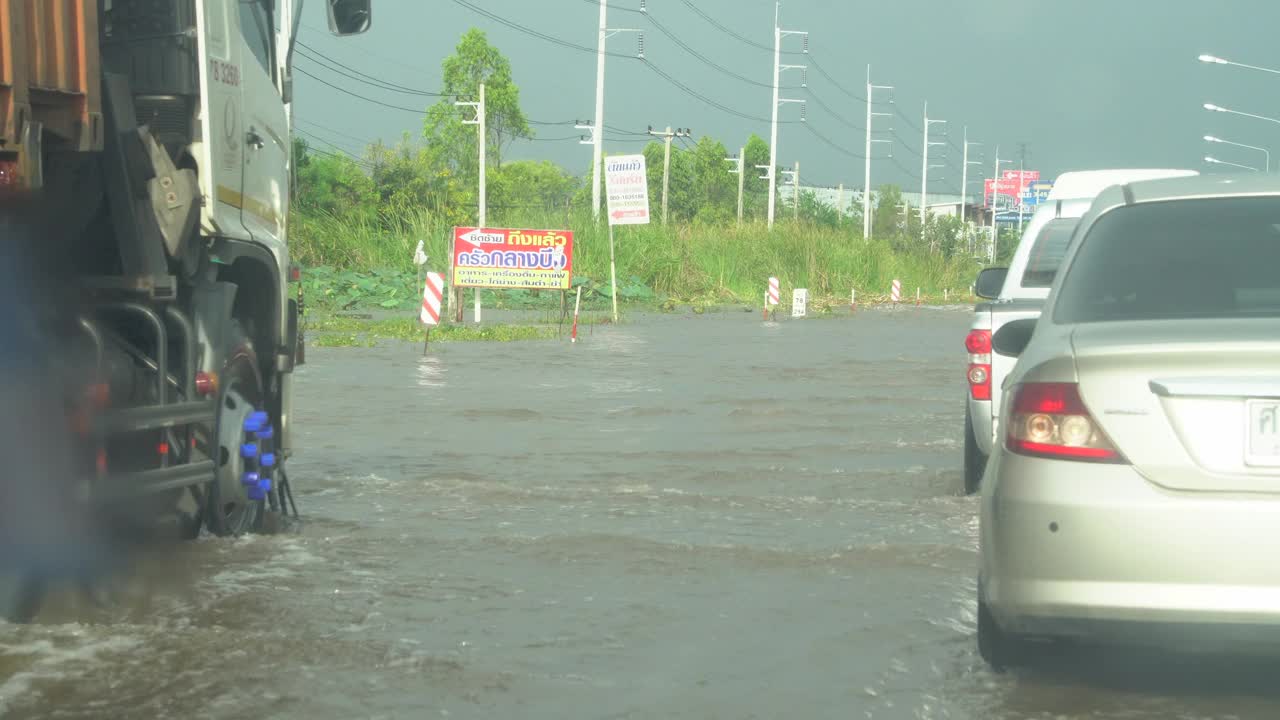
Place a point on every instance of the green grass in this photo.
(357, 263)
(338, 331)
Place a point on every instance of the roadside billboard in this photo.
(626, 183)
(1007, 191)
(512, 258)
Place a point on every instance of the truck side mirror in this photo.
(990, 282)
(349, 17)
(1013, 337)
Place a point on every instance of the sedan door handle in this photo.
(254, 139)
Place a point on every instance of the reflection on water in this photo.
(678, 517)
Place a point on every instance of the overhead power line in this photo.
(707, 61)
(729, 31)
(534, 33)
(417, 111)
(342, 69)
(822, 71)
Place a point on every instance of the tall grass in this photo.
(729, 263)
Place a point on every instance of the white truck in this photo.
(149, 339)
(1019, 291)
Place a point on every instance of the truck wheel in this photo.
(975, 462)
(1000, 650)
(229, 510)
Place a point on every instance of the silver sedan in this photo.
(1134, 495)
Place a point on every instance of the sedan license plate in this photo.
(1262, 435)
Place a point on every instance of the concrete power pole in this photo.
(924, 173)
(742, 176)
(964, 185)
(481, 213)
(597, 128)
(1022, 168)
(866, 182)
(778, 67)
(795, 189)
(995, 198)
(667, 137)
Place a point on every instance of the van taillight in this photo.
(1050, 420)
(978, 343)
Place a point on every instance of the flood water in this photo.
(678, 517)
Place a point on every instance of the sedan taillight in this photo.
(978, 343)
(1050, 420)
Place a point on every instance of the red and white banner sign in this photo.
(431, 295)
(511, 258)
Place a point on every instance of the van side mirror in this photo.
(990, 282)
(1013, 337)
(350, 17)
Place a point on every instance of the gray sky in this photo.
(1085, 83)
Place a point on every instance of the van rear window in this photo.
(1046, 255)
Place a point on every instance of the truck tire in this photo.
(975, 461)
(229, 510)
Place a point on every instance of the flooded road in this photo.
(679, 517)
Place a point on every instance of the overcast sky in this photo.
(1084, 83)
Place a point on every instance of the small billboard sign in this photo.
(511, 258)
(626, 182)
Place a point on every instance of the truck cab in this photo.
(145, 165)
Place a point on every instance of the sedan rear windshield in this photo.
(1046, 255)
(1203, 258)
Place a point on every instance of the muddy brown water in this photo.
(679, 517)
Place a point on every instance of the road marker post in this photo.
(895, 292)
(917, 296)
(432, 293)
(853, 300)
(772, 297)
(799, 302)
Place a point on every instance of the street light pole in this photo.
(1219, 61)
(1216, 161)
(1264, 151)
(1218, 108)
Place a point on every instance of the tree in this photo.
(454, 144)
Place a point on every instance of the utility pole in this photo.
(995, 202)
(597, 128)
(778, 67)
(964, 185)
(742, 176)
(866, 182)
(479, 121)
(668, 136)
(1022, 168)
(924, 173)
(795, 189)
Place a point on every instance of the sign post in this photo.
(627, 187)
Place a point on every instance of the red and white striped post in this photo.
(772, 297)
(431, 295)
(895, 293)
